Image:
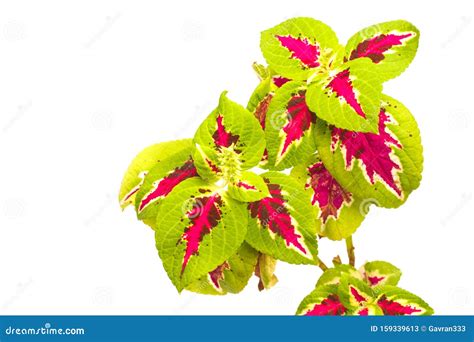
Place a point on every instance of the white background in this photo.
(85, 85)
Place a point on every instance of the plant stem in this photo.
(350, 250)
(322, 265)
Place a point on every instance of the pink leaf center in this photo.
(204, 216)
(331, 306)
(168, 183)
(341, 84)
(358, 297)
(218, 274)
(301, 49)
(272, 214)
(392, 308)
(223, 138)
(300, 119)
(373, 150)
(329, 195)
(375, 47)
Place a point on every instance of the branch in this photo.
(322, 265)
(350, 250)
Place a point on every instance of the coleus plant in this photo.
(317, 144)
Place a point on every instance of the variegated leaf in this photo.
(249, 187)
(332, 276)
(299, 48)
(198, 228)
(397, 302)
(323, 301)
(161, 180)
(348, 97)
(391, 46)
(231, 276)
(378, 273)
(283, 224)
(355, 294)
(383, 168)
(337, 210)
(289, 126)
(144, 161)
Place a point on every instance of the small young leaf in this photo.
(143, 162)
(289, 126)
(231, 276)
(355, 294)
(198, 228)
(332, 276)
(349, 97)
(397, 302)
(338, 211)
(249, 187)
(323, 301)
(391, 46)
(230, 140)
(283, 224)
(378, 273)
(382, 168)
(265, 271)
(299, 47)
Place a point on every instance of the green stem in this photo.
(322, 265)
(350, 250)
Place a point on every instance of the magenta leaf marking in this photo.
(330, 306)
(214, 168)
(261, 115)
(375, 280)
(327, 192)
(204, 216)
(131, 193)
(218, 274)
(341, 84)
(272, 214)
(222, 138)
(392, 308)
(300, 119)
(358, 297)
(279, 80)
(246, 186)
(364, 312)
(166, 184)
(373, 150)
(301, 49)
(375, 47)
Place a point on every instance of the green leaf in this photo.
(143, 162)
(289, 126)
(377, 273)
(265, 271)
(198, 227)
(283, 224)
(249, 187)
(382, 168)
(332, 276)
(229, 141)
(323, 301)
(395, 301)
(299, 47)
(391, 46)
(349, 97)
(161, 180)
(337, 210)
(231, 276)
